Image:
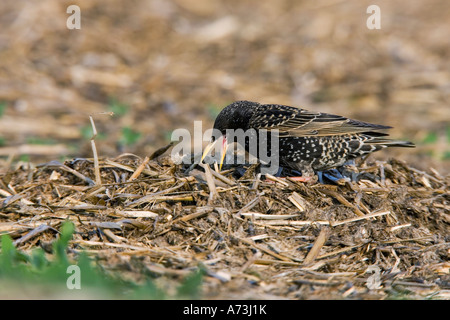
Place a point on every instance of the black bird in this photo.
(308, 141)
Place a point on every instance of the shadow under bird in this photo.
(308, 141)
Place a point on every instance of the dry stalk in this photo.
(269, 252)
(342, 200)
(367, 216)
(257, 215)
(318, 244)
(98, 180)
(138, 171)
(211, 184)
(298, 201)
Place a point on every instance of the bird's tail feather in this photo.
(393, 143)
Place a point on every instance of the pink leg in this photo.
(302, 179)
(305, 179)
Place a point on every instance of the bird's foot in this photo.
(305, 176)
(333, 175)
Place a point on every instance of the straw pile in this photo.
(385, 236)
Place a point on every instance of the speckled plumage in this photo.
(308, 140)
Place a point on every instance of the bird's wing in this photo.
(299, 122)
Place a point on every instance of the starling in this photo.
(308, 141)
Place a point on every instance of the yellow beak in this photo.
(208, 149)
(223, 151)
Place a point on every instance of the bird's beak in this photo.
(223, 151)
(208, 149)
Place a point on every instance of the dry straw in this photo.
(279, 234)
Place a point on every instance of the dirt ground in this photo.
(161, 65)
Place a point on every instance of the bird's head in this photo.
(234, 116)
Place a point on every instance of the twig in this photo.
(257, 181)
(128, 168)
(342, 200)
(199, 213)
(270, 262)
(270, 252)
(139, 169)
(112, 236)
(157, 198)
(427, 175)
(137, 214)
(251, 204)
(318, 244)
(400, 226)
(109, 244)
(151, 197)
(211, 184)
(57, 164)
(257, 215)
(367, 216)
(221, 177)
(326, 255)
(36, 231)
(98, 180)
(294, 223)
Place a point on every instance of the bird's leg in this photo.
(307, 175)
(302, 179)
(320, 176)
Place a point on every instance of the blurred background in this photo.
(159, 65)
